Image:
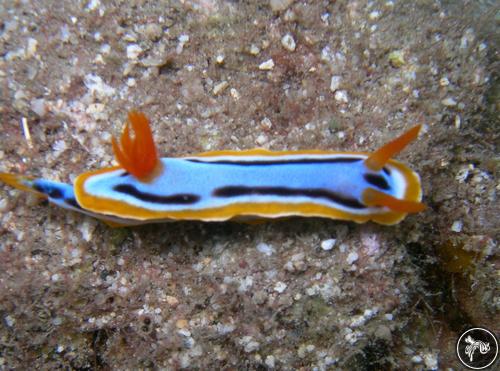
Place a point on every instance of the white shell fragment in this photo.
(335, 83)
(449, 102)
(265, 249)
(341, 96)
(352, 257)
(329, 244)
(267, 65)
(133, 51)
(288, 42)
(220, 87)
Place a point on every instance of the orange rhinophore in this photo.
(372, 197)
(379, 158)
(136, 154)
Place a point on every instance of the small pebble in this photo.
(357, 321)
(184, 332)
(443, 81)
(270, 361)
(245, 283)
(396, 58)
(343, 247)
(133, 51)
(374, 15)
(290, 16)
(383, 332)
(57, 321)
(449, 102)
(352, 257)
(249, 344)
(97, 86)
(327, 245)
(261, 139)
(416, 359)
(431, 361)
(235, 94)
(105, 48)
(288, 42)
(183, 39)
(93, 4)
(220, 87)
(341, 96)
(335, 83)
(265, 249)
(39, 107)
(153, 62)
(280, 287)
(9, 320)
(224, 329)
(457, 226)
(31, 47)
(3, 206)
(219, 59)
(259, 297)
(464, 173)
(304, 349)
(172, 300)
(153, 31)
(65, 34)
(254, 49)
(131, 82)
(265, 122)
(267, 65)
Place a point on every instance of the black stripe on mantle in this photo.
(175, 199)
(274, 161)
(238, 191)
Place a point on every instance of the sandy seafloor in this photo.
(308, 294)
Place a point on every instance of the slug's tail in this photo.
(60, 194)
(22, 182)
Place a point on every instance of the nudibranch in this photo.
(237, 185)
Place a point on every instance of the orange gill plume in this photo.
(137, 154)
